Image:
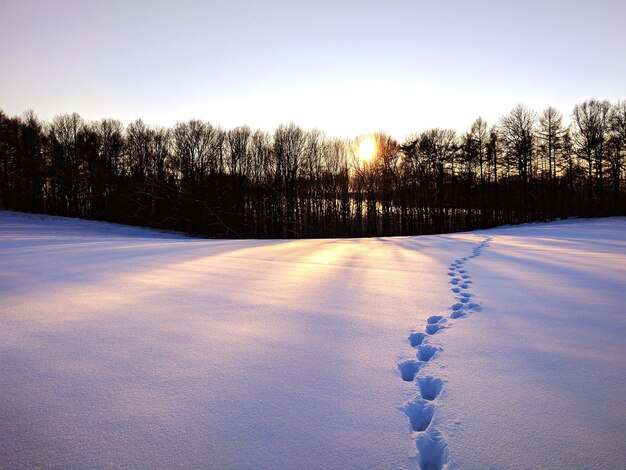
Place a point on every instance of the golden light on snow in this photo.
(367, 149)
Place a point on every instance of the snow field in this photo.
(126, 347)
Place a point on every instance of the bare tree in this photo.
(550, 133)
(590, 127)
(617, 139)
(517, 130)
(479, 136)
(289, 146)
(68, 169)
(239, 146)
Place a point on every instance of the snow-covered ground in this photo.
(124, 347)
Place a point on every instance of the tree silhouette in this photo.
(241, 182)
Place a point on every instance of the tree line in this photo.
(199, 178)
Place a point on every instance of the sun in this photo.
(367, 149)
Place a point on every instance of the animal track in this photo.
(433, 451)
(408, 369)
(420, 414)
(458, 314)
(434, 328)
(415, 338)
(426, 352)
(430, 387)
(434, 319)
(431, 446)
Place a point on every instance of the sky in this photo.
(345, 67)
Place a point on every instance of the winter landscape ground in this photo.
(123, 347)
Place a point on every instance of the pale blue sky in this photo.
(346, 67)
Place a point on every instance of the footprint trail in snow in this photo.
(431, 445)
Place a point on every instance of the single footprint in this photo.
(408, 369)
(433, 451)
(456, 290)
(425, 352)
(430, 387)
(432, 329)
(420, 414)
(434, 319)
(457, 306)
(416, 338)
(458, 314)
